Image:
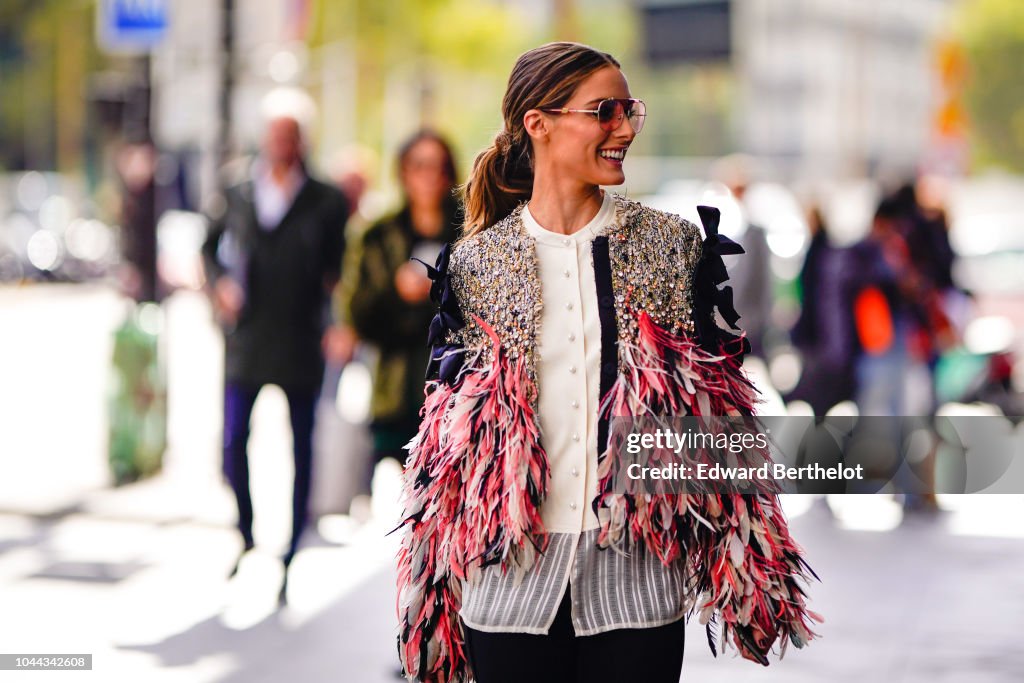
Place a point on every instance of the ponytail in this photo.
(502, 177)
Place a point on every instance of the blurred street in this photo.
(137, 575)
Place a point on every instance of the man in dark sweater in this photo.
(272, 258)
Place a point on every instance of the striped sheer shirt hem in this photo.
(609, 590)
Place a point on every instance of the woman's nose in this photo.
(625, 130)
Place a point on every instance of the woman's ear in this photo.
(536, 125)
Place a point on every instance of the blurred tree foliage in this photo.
(46, 55)
(441, 63)
(445, 63)
(992, 34)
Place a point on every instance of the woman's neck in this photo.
(426, 220)
(564, 210)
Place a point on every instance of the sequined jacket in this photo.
(477, 472)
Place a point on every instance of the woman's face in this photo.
(577, 147)
(424, 174)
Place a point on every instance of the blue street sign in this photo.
(131, 26)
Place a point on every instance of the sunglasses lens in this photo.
(611, 112)
(637, 115)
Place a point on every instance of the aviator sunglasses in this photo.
(610, 113)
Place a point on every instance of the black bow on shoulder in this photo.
(445, 359)
(711, 272)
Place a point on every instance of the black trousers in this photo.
(633, 655)
(239, 400)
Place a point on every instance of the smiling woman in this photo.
(546, 79)
(562, 307)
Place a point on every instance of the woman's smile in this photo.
(613, 155)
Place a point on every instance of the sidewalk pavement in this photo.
(926, 598)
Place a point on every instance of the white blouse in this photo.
(568, 369)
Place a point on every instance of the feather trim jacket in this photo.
(477, 471)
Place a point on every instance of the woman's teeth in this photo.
(617, 154)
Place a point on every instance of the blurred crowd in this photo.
(880, 311)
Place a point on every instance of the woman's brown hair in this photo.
(502, 175)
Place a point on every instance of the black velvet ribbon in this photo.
(711, 272)
(445, 359)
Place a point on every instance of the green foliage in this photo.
(992, 33)
(46, 55)
(441, 63)
(450, 59)
(611, 26)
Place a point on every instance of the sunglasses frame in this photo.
(613, 122)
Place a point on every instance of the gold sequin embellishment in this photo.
(495, 276)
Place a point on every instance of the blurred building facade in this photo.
(813, 89)
(834, 89)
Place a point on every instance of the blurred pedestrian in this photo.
(136, 165)
(806, 330)
(929, 212)
(752, 274)
(941, 305)
(353, 169)
(889, 369)
(385, 295)
(272, 258)
(909, 256)
(883, 314)
(823, 333)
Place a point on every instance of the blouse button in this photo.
(566, 272)
(575, 437)
(568, 306)
(575, 403)
(572, 369)
(575, 472)
(566, 241)
(572, 336)
(572, 506)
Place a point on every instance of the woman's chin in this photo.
(613, 179)
(607, 176)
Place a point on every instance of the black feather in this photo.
(804, 563)
(752, 648)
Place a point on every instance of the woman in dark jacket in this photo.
(824, 333)
(385, 296)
